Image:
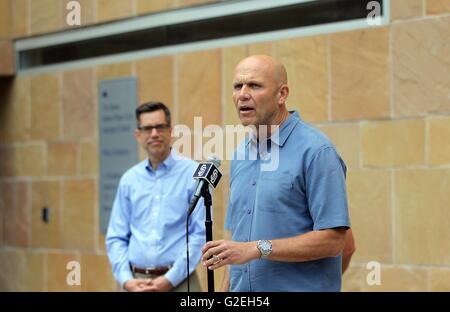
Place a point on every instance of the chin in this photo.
(247, 121)
(155, 150)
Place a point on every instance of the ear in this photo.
(137, 134)
(284, 93)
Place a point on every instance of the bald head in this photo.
(272, 67)
(260, 91)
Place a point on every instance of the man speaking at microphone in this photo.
(288, 224)
(146, 233)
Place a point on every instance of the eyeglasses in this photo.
(149, 129)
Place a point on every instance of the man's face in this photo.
(155, 141)
(255, 92)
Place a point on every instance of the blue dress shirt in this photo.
(147, 227)
(306, 192)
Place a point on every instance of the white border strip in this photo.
(153, 20)
(215, 43)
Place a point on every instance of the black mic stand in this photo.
(208, 227)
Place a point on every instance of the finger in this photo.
(216, 265)
(141, 283)
(209, 262)
(211, 252)
(209, 245)
(141, 287)
(212, 261)
(224, 256)
(144, 281)
(152, 288)
(206, 256)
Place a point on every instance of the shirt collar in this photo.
(168, 163)
(283, 131)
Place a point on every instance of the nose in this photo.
(244, 94)
(154, 133)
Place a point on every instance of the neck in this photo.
(155, 160)
(275, 123)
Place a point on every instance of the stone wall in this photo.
(380, 94)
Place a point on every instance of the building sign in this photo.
(118, 149)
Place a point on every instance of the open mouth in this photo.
(244, 109)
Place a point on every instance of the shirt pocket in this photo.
(275, 192)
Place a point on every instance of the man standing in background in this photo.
(146, 240)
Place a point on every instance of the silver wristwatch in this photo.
(264, 247)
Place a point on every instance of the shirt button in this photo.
(245, 270)
(254, 183)
(249, 211)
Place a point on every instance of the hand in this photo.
(224, 252)
(160, 284)
(138, 285)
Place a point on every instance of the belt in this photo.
(150, 271)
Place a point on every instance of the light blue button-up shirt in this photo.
(147, 227)
(306, 192)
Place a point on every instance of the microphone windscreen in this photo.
(214, 160)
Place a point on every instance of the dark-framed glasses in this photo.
(149, 129)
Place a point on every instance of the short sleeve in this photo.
(326, 190)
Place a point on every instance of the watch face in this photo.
(265, 247)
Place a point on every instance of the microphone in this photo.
(206, 172)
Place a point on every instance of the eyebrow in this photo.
(254, 81)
